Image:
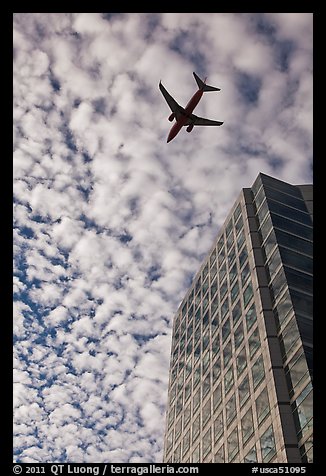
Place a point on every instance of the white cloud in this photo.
(111, 222)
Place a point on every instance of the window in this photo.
(262, 406)
(231, 256)
(233, 444)
(236, 313)
(243, 256)
(187, 414)
(251, 456)
(247, 426)
(207, 442)
(294, 242)
(290, 335)
(223, 289)
(205, 362)
(206, 412)
(196, 454)
(214, 304)
(229, 241)
(297, 368)
(267, 444)
(187, 390)
(285, 224)
(178, 428)
(222, 272)
(233, 273)
(216, 344)
(219, 455)
(196, 400)
(213, 287)
(196, 375)
(226, 330)
(171, 417)
(218, 427)
(186, 442)
(237, 212)
(303, 408)
(238, 336)
(245, 273)
(258, 372)
(230, 410)
(217, 396)
(240, 239)
(254, 343)
(251, 317)
(247, 294)
(227, 353)
(228, 380)
(229, 227)
(195, 428)
(224, 308)
(241, 361)
(220, 243)
(293, 214)
(278, 282)
(206, 384)
(216, 369)
(235, 292)
(239, 225)
(244, 391)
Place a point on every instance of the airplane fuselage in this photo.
(182, 120)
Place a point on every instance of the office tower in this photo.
(240, 387)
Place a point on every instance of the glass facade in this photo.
(241, 354)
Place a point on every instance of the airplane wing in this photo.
(201, 121)
(174, 106)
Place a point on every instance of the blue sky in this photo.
(111, 223)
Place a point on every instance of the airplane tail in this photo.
(203, 86)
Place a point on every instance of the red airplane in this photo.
(184, 117)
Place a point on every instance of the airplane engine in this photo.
(171, 117)
(190, 128)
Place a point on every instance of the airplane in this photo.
(184, 116)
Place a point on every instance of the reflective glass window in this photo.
(178, 427)
(205, 286)
(226, 330)
(215, 344)
(243, 257)
(286, 224)
(220, 243)
(241, 361)
(304, 410)
(213, 287)
(229, 227)
(217, 396)
(247, 294)
(240, 239)
(206, 384)
(297, 368)
(239, 225)
(290, 335)
(219, 455)
(187, 390)
(299, 280)
(290, 195)
(303, 303)
(224, 308)
(234, 292)
(296, 260)
(177, 454)
(245, 273)
(187, 414)
(195, 428)
(196, 375)
(233, 273)
(222, 272)
(207, 442)
(262, 211)
(283, 306)
(223, 289)
(231, 256)
(227, 353)
(212, 257)
(229, 241)
(244, 391)
(236, 313)
(267, 444)
(238, 336)
(237, 212)
(254, 343)
(218, 427)
(258, 372)
(233, 444)
(265, 227)
(217, 369)
(214, 304)
(196, 454)
(247, 426)
(294, 242)
(205, 362)
(206, 412)
(198, 285)
(228, 380)
(205, 271)
(230, 410)
(251, 456)
(262, 406)
(186, 442)
(196, 399)
(285, 211)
